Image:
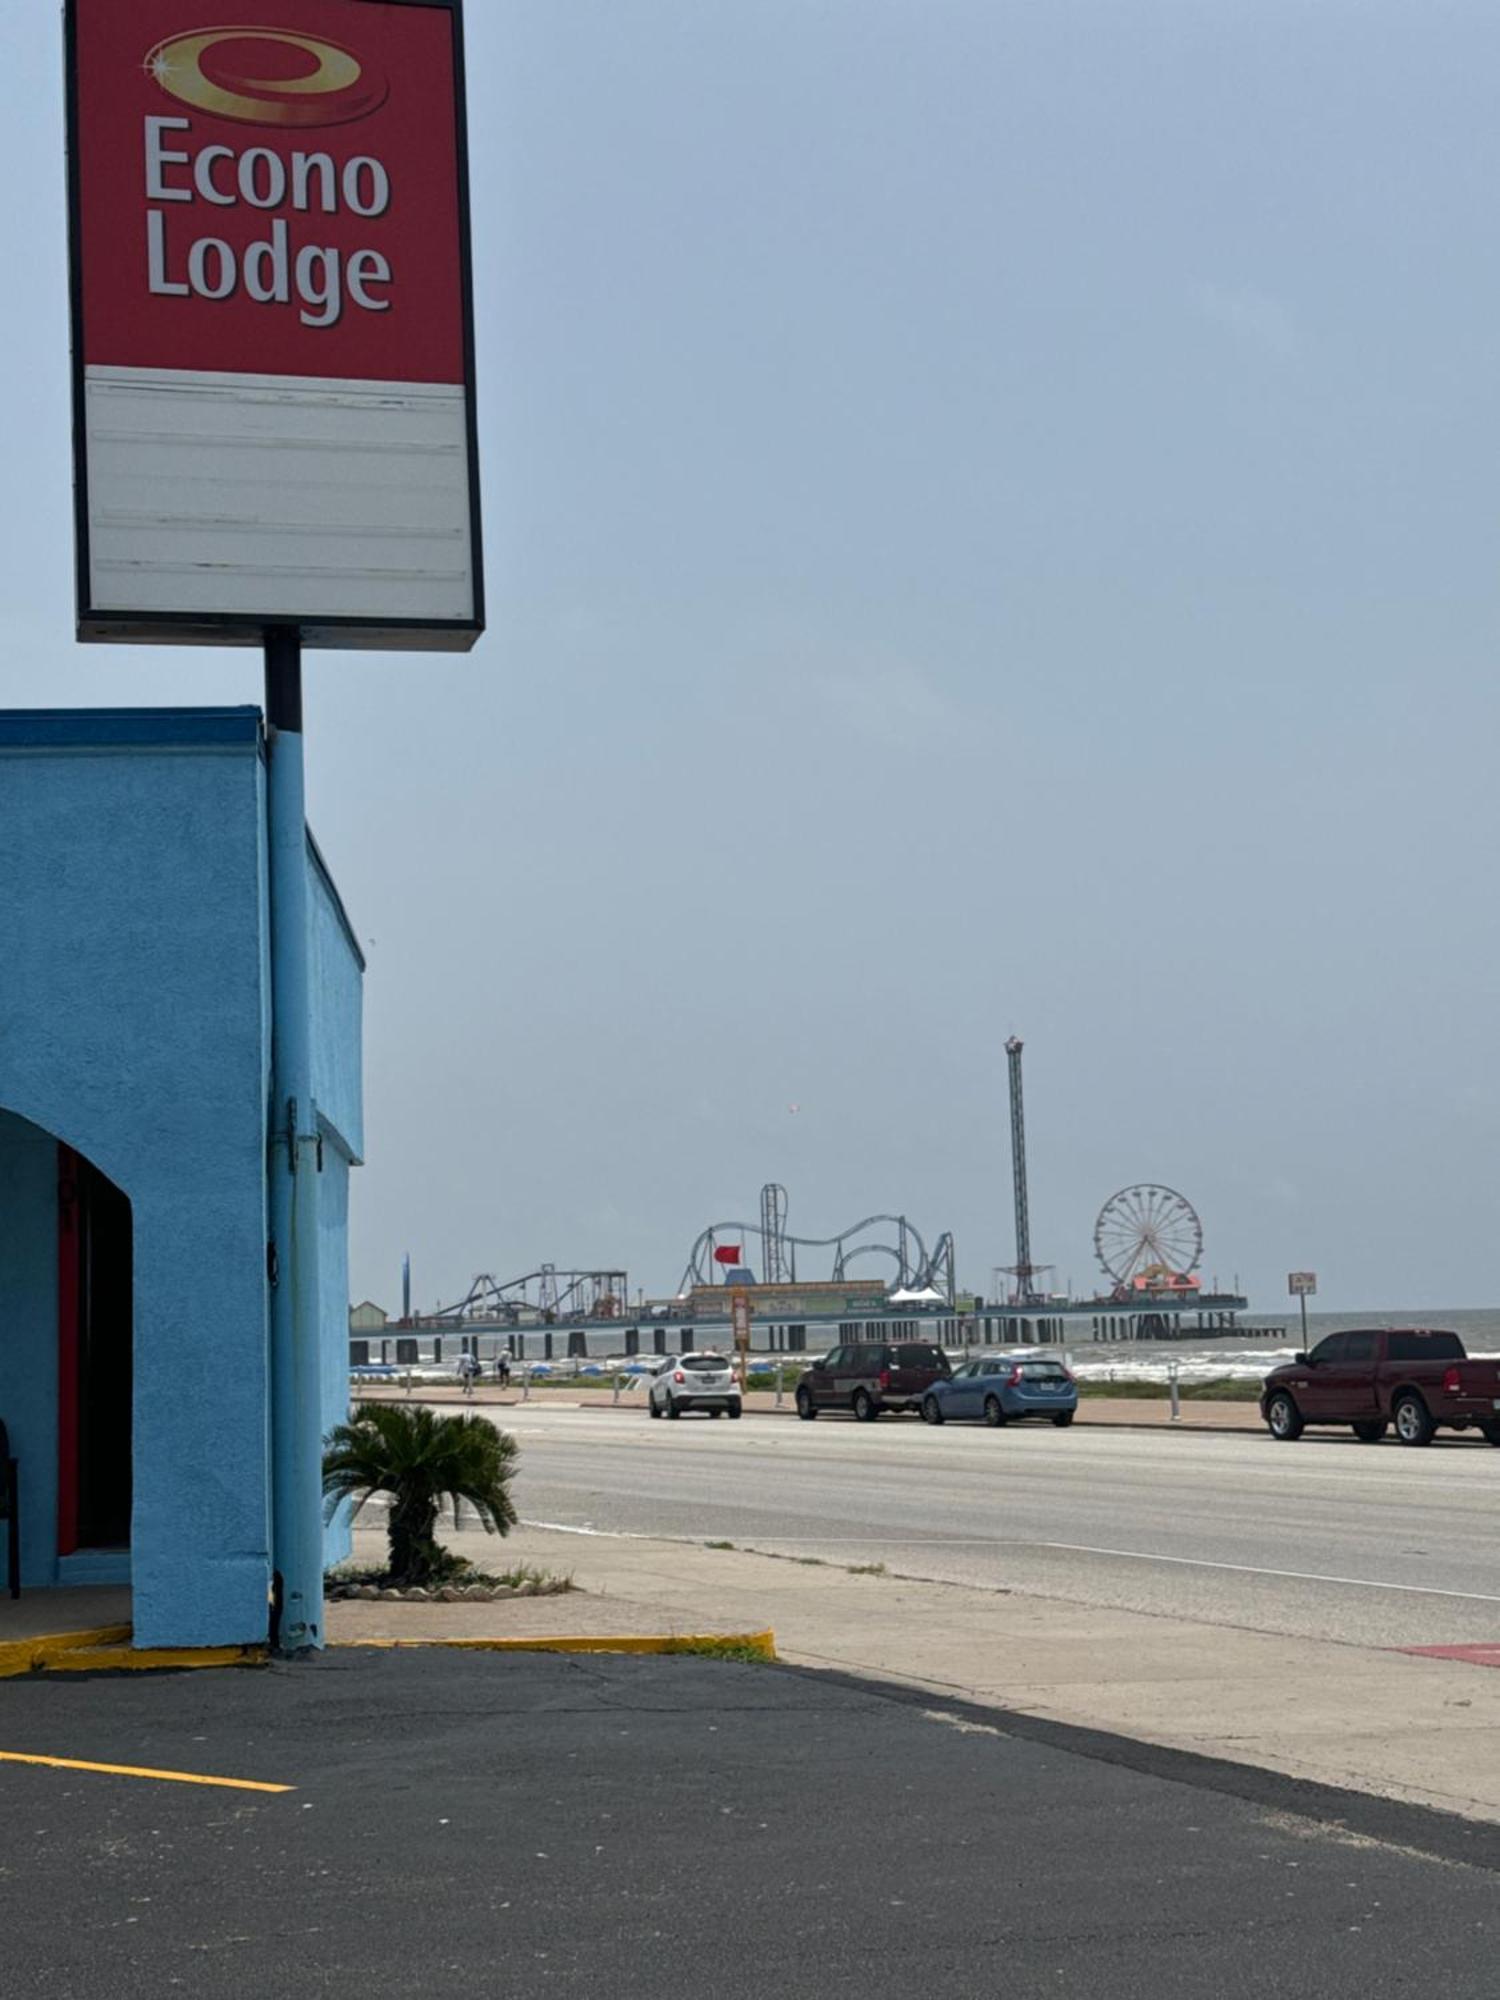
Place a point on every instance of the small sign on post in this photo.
(739, 1321)
(1302, 1285)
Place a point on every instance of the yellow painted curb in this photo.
(148, 1659)
(25, 1656)
(107, 1649)
(761, 1644)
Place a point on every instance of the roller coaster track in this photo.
(563, 1294)
(916, 1269)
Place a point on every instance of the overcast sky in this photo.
(991, 519)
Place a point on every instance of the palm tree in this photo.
(421, 1459)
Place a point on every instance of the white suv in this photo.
(694, 1382)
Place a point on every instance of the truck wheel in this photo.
(807, 1409)
(1490, 1432)
(1414, 1423)
(1372, 1432)
(1283, 1418)
(864, 1406)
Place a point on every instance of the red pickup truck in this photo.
(1417, 1378)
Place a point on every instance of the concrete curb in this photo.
(25, 1656)
(1087, 1423)
(701, 1644)
(107, 1649)
(1185, 1429)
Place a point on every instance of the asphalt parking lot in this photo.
(462, 1823)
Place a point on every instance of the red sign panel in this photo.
(272, 332)
(261, 197)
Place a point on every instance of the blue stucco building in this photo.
(135, 1051)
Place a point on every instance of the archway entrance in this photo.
(66, 1357)
(94, 1343)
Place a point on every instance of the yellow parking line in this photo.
(136, 1771)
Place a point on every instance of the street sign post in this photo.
(739, 1321)
(1302, 1285)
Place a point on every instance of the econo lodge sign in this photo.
(272, 322)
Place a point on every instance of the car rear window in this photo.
(920, 1357)
(704, 1364)
(1417, 1346)
(1043, 1371)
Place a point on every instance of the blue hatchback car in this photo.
(998, 1389)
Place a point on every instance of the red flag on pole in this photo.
(727, 1253)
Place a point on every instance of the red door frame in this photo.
(69, 1275)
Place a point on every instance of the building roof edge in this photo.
(129, 728)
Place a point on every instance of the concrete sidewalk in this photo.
(1423, 1730)
(38, 1613)
(1129, 1412)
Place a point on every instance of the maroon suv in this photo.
(870, 1376)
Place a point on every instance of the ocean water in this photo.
(1257, 1344)
(1261, 1341)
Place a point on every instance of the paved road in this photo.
(465, 1825)
(1379, 1545)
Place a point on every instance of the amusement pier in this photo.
(1148, 1243)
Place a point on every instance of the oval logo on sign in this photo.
(267, 76)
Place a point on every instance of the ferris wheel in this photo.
(1148, 1236)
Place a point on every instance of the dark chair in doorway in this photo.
(10, 1508)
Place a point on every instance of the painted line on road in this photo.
(828, 1541)
(963, 1724)
(1252, 1569)
(604, 1534)
(1006, 1542)
(139, 1771)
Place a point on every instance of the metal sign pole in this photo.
(739, 1320)
(296, 1414)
